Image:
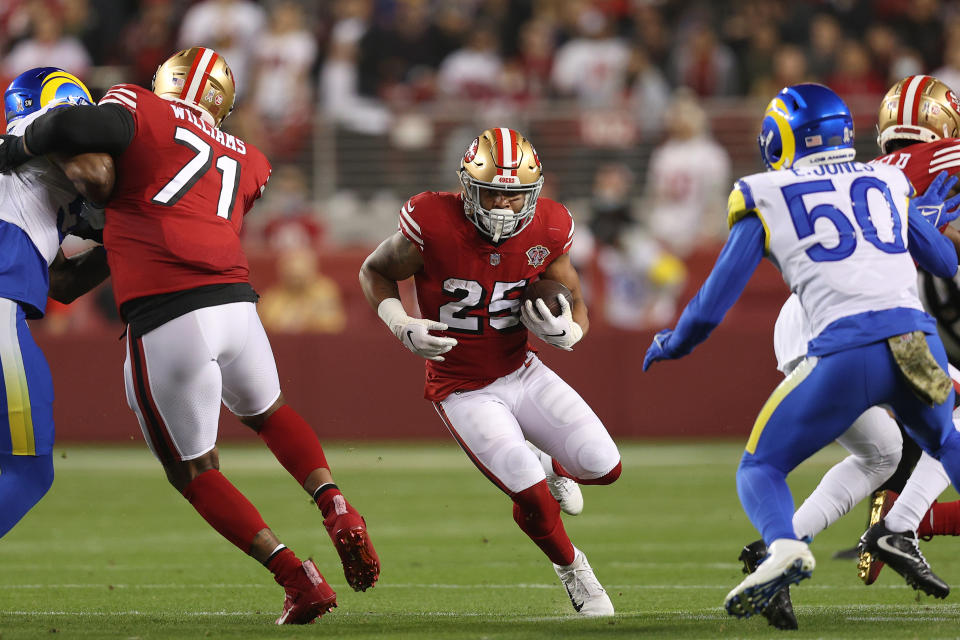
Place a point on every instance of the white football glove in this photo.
(413, 332)
(560, 331)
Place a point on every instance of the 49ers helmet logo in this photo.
(954, 102)
(537, 255)
(471, 151)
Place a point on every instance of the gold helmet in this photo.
(917, 109)
(201, 78)
(503, 160)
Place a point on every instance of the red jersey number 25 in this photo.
(191, 172)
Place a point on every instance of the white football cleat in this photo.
(586, 593)
(787, 562)
(564, 490)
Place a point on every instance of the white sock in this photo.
(875, 444)
(927, 481)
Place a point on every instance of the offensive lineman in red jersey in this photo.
(919, 132)
(471, 255)
(193, 336)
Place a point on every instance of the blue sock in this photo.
(23, 481)
(766, 498)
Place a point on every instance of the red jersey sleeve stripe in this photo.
(125, 92)
(409, 233)
(122, 99)
(409, 227)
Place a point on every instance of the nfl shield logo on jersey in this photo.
(536, 255)
(494, 259)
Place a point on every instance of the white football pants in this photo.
(873, 440)
(176, 375)
(532, 403)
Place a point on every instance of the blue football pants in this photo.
(23, 481)
(816, 404)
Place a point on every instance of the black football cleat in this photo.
(779, 612)
(901, 553)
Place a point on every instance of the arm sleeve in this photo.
(738, 260)
(931, 249)
(107, 128)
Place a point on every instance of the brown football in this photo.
(548, 290)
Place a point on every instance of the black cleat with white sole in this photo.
(779, 612)
(902, 554)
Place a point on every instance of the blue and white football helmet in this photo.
(39, 87)
(806, 124)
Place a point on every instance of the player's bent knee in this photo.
(608, 478)
(535, 510)
(180, 473)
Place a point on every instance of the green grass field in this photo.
(114, 552)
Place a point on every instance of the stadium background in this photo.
(362, 103)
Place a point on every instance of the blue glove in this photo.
(933, 203)
(659, 349)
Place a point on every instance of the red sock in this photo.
(225, 508)
(330, 500)
(943, 519)
(608, 478)
(538, 515)
(284, 565)
(293, 443)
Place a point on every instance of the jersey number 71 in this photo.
(191, 172)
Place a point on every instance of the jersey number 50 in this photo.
(804, 221)
(191, 172)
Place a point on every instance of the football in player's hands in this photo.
(548, 290)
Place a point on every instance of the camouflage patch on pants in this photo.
(925, 376)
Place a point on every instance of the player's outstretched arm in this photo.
(70, 130)
(79, 129)
(70, 278)
(738, 260)
(394, 260)
(931, 249)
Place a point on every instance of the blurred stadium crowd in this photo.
(642, 111)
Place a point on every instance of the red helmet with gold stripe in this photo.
(199, 77)
(917, 109)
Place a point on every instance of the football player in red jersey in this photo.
(471, 254)
(193, 335)
(919, 131)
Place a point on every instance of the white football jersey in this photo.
(838, 235)
(36, 197)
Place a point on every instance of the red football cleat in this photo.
(348, 530)
(868, 567)
(308, 596)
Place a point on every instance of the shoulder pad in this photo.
(740, 203)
